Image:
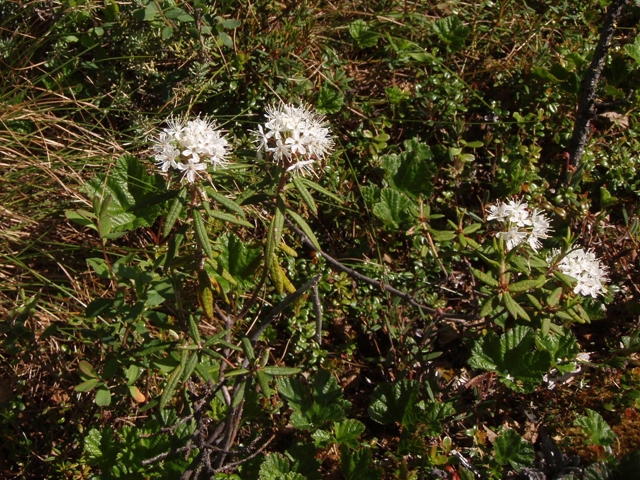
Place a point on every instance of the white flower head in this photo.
(521, 224)
(513, 237)
(189, 145)
(296, 137)
(585, 267)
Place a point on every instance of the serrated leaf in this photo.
(511, 449)
(451, 31)
(596, 429)
(391, 403)
(137, 198)
(411, 171)
(348, 431)
(363, 36)
(330, 99)
(394, 208)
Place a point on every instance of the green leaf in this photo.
(362, 35)
(103, 397)
(356, 464)
(305, 228)
(167, 32)
(137, 198)
(411, 172)
(172, 383)
(633, 50)
(281, 371)
(238, 395)
(484, 277)
(93, 445)
(394, 208)
(320, 189)
(441, 235)
(274, 233)
(511, 449)
(513, 356)
(131, 374)
(348, 431)
(86, 386)
(451, 31)
(82, 217)
(227, 217)
(488, 306)
(201, 232)
(330, 99)
(226, 202)
(248, 349)
(86, 368)
(525, 285)
(276, 467)
(514, 307)
(305, 194)
(596, 429)
(394, 403)
(174, 212)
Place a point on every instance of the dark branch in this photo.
(586, 106)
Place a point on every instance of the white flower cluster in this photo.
(522, 223)
(189, 146)
(295, 136)
(586, 269)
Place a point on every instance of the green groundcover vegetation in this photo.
(318, 240)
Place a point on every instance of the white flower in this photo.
(586, 269)
(540, 229)
(499, 212)
(191, 169)
(513, 237)
(189, 146)
(295, 136)
(521, 224)
(518, 213)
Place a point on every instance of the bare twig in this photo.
(382, 286)
(586, 105)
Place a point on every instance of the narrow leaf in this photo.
(226, 202)
(174, 212)
(172, 383)
(201, 232)
(227, 217)
(314, 186)
(305, 194)
(304, 226)
(484, 277)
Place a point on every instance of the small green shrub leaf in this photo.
(596, 429)
(511, 449)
